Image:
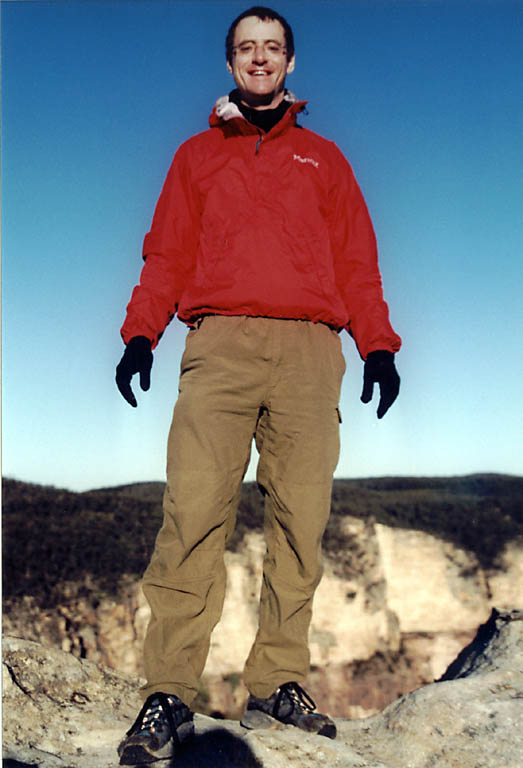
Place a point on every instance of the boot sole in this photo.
(138, 754)
(255, 719)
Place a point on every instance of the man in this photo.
(260, 242)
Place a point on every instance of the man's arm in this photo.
(356, 265)
(169, 252)
(359, 282)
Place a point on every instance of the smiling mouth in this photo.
(259, 73)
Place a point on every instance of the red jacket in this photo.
(270, 225)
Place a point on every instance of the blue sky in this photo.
(424, 98)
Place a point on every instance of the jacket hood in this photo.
(225, 109)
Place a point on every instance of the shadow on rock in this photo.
(16, 764)
(217, 747)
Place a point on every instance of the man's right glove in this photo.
(379, 368)
(137, 358)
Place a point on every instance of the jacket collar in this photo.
(226, 113)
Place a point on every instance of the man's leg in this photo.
(208, 452)
(298, 440)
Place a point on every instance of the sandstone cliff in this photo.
(395, 624)
(397, 602)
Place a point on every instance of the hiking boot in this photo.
(289, 704)
(163, 723)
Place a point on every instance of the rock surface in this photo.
(63, 711)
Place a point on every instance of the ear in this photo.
(290, 65)
(229, 68)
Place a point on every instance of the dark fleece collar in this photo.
(261, 118)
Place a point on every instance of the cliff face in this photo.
(390, 622)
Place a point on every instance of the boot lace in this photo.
(296, 696)
(150, 715)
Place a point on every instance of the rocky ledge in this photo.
(65, 712)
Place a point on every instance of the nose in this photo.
(259, 56)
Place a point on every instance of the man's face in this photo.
(259, 62)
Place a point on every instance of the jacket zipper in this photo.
(258, 142)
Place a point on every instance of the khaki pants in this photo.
(240, 376)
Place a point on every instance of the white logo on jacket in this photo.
(301, 159)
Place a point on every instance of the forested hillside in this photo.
(53, 536)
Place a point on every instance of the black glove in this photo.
(380, 368)
(137, 358)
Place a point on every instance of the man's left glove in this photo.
(137, 358)
(379, 368)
